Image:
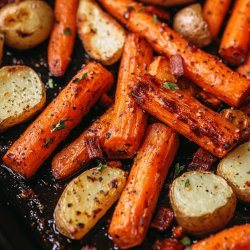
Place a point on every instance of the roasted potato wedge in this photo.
(189, 23)
(86, 199)
(26, 24)
(102, 37)
(202, 202)
(22, 94)
(235, 168)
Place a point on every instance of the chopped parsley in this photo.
(186, 241)
(67, 31)
(187, 183)
(178, 169)
(81, 78)
(170, 85)
(60, 125)
(101, 166)
(141, 9)
(50, 83)
(155, 19)
(47, 142)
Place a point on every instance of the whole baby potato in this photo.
(189, 23)
(26, 24)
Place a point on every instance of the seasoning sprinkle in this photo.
(187, 183)
(155, 19)
(170, 85)
(67, 31)
(178, 169)
(60, 125)
(79, 79)
(101, 166)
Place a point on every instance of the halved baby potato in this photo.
(22, 94)
(202, 202)
(235, 168)
(86, 199)
(25, 24)
(1, 47)
(103, 38)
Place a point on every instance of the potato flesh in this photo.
(103, 38)
(86, 199)
(235, 168)
(22, 94)
(1, 47)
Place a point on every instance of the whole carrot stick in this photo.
(187, 116)
(75, 155)
(214, 12)
(128, 121)
(235, 238)
(244, 69)
(52, 126)
(236, 38)
(204, 69)
(63, 36)
(135, 208)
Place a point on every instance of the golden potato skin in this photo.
(235, 168)
(189, 23)
(16, 108)
(26, 24)
(1, 47)
(212, 218)
(86, 199)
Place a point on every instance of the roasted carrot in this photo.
(235, 238)
(128, 121)
(235, 41)
(214, 12)
(158, 11)
(167, 244)
(135, 208)
(52, 126)
(62, 37)
(244, 69)
(75, 155)
(202, 68)
(160, 68)
(187, 116)
(167, 2)
(106, 101)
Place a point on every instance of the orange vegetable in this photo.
(63, 36)
(75, 155)
(187, 116)
(214, 12)
(52, 126)
(236, 38)
(235, 238)
(106, 101)
(167, 2)
(244, 69)
(202, 68)
(135, 208)
(128, 121)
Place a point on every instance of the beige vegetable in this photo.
(1, 47)
(22, 94)
(26, 24)
(103, 38)
(167, 2)
(190, 24)
(235, 168)
(86, 199)
(202, 202)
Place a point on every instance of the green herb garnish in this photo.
(141, 9)
(186, 241)
(178, 169)
(155, 19)
(79, 79)
(60, 125)
(50, 83)
(170, 85)
(187, 183)
(48, 141)
(67, 31)
(101, 166)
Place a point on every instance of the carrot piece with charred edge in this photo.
(135, 208)
(106, 101)
(163, 219)
(214, 12)
(235, 40)
(160, 68)
(187, 116)
(52, 126)
(128, 121)
(244, 69)
(234, 238)
(167, 244)
(159, 12)
(176, 65)
(202, 68)
(62, 37)
(93, 146)
(75, 155)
